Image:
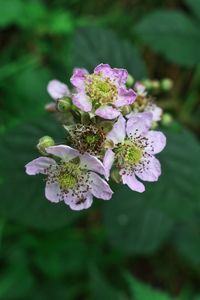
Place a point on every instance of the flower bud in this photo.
(166, 119)
(126, 110)
(45, 142)
(115, 176)
(63, 104)
(130, 81)
(166, 84)
(147, 83)
(50, 107)
(155, 84)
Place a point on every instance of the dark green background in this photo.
(136, 246)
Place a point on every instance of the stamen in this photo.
(102, 89)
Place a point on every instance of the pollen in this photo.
(67, 181)
(128, 154)
(100, 89)
(68, 175)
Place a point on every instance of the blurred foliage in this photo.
(134, 247)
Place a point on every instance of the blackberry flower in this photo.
(73, 178)
(134, 149)
(103, 92)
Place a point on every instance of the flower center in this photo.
(88, 138)
(128, 154)
(91, 139)
(67, 181)
(68, 175)
(100, 89)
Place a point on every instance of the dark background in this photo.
(136, 247)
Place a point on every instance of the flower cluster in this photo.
(109, 134)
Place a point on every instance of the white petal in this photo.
(52, 192)
(156, 112)
(132, 182)
(92, 163)
(156, 142)
(108, 162)
(39, 165)
(150, 171)
(107, 112)
(57, 89)
(99, 187)
(139, 124)
(82, 101)
(66, 153)
(118, 132)
(77, 203)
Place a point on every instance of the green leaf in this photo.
(141, 223)
(142, 291)
(22, 196)
(132, 227)
(10, 12)
(93, 46)
(187, 243)
(194, 5)
(172, 34)
(177, 192)
(101, 289)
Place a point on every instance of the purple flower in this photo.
(134, 149)
(103, 92)
(73, 178)
(144, 103)
(57, 89)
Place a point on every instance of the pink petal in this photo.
(108, 162)
(76, 203)
(156, 112)
(107, 112)
(105, 70)
(78, 78)
(52, 192)
(156, 141)
(82, 101)
(140, 89)
(125, 97)
(92, 163)
(150, 171)
(121, 75)
(99, 187)
(64, 152)
(39, 165)
(57, 89)
(139, 124)
(132, 182)
(118, 132)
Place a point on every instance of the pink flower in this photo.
(134, 149)
(73, 178)
(144, 103)
(57, 89)
(103, 92)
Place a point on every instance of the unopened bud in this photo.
(108, 144)
(166, 84)
(115, 176)
(166, 119)
(45, 142)
(155, 84)
(130, 81)
(126, 110)
(50, 107)
(147, 83)
(64, 104)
